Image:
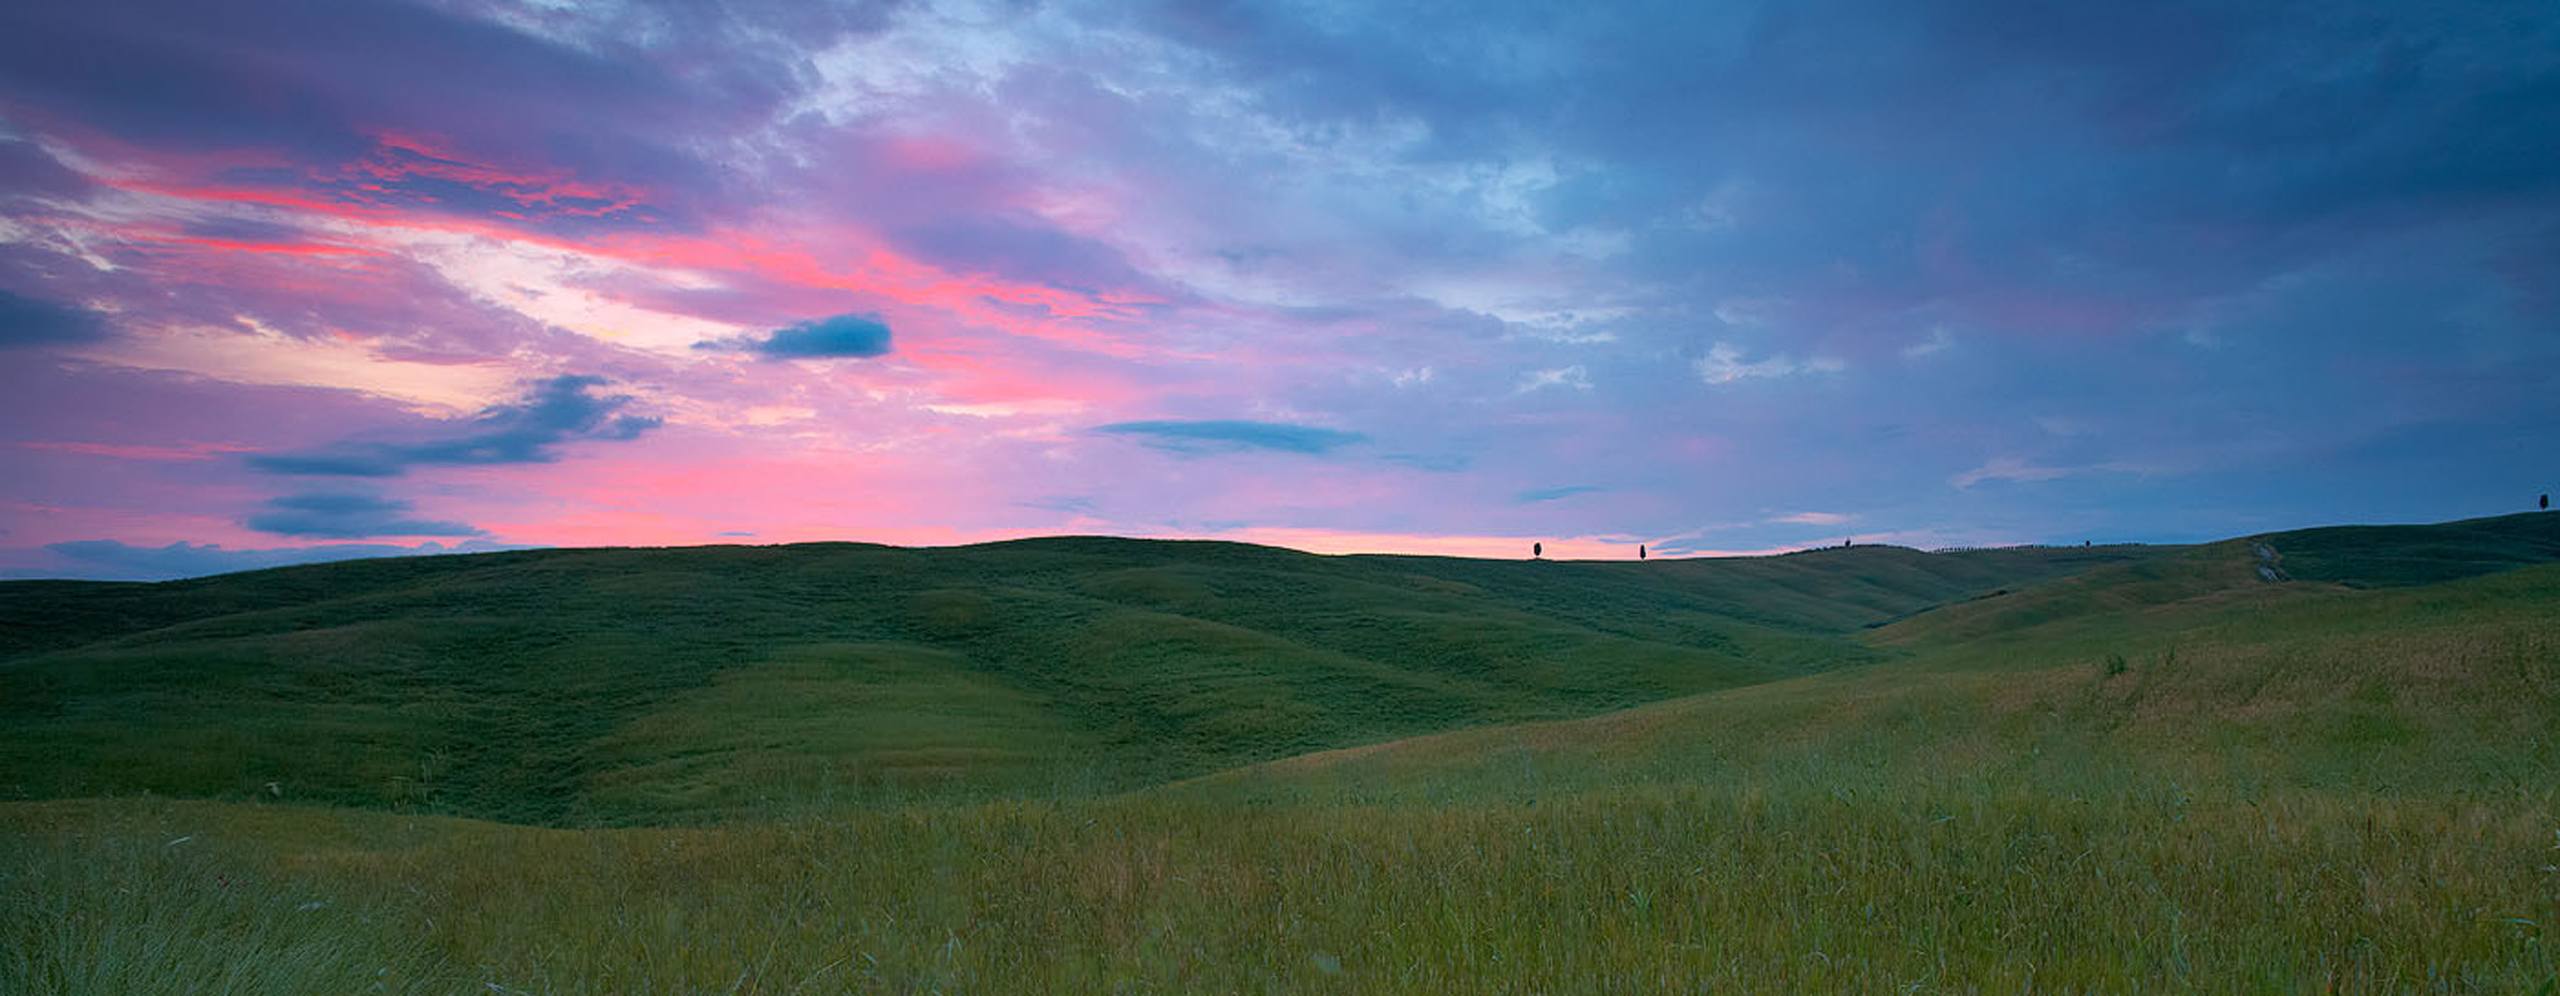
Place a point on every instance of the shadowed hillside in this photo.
(2389, 556)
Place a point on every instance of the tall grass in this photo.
(1782, 886)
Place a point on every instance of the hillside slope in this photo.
(582, 686)
(2445, 688)
(2159, 594)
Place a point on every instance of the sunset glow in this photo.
(1707, 278)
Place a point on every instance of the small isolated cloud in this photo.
(2056, 425)
(1744, 312)
(1722, 208)
(558, 410)
(1227, 436)
(1812, 519)
(348, 516)
(1551, 494)
(1573, 377)
(1592, 242)
(825, 338)
(2010, 469)
(26, 322)
(1724, 364)
(111, 560)
(1938, 341)
(1409, 378)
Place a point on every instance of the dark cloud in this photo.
(560, 410)
(112, 560)
(2095, 168)
(1221, 435)
(335, 88)
(28, 322)
(824, 338)
(348, 516)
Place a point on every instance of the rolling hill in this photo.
(620, 686)
(1089, 764)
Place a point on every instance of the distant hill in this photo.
(2391, 556)
(2342, 556)
(610, 686)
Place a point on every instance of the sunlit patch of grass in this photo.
(826, 726)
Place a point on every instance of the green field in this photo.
(1084, 764)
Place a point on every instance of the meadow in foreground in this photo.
(2152, 775)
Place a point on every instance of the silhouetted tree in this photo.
(1537, 550)
(1639, 551)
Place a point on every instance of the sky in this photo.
(308, 279)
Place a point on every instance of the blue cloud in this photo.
(28, 322)
(559, 410)
(1222, 435)
(348, 516)
(839, 336)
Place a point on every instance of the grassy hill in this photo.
(1088, 765)
(620, 686)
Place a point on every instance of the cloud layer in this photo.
(1378, 274)
(328, 515)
